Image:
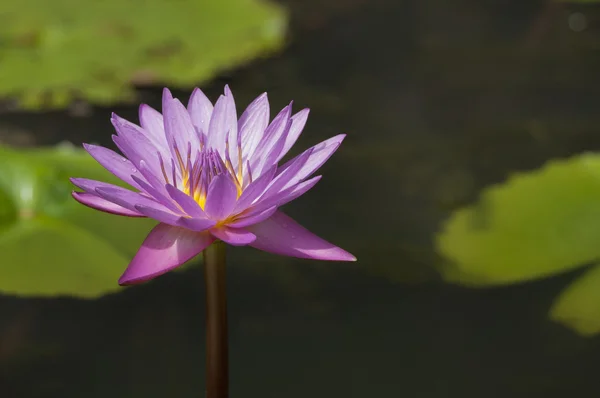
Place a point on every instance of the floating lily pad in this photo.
(535, 225)
(49, 243)
(55, 51)
(578, 306)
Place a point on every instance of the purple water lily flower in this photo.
(205, 175)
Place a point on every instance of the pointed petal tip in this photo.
(167, 93)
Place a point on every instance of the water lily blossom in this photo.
(205, 175)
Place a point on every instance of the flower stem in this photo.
(217, 379)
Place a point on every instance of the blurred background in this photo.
(468, 187)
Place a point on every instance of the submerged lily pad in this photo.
(55, 51)
(535, 225)
(49, 243)
(578, 306)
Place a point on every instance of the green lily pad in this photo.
(535, 225)
(49, 243)
(53, 52)
(578, 306)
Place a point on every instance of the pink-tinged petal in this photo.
(282, 235)
(222, 122)
(180, 132)
(271, 137)
(319, 154)
(200, 109)
(98, 203)
(187, 203)
(245, 221)
(233, 236)
(254, 190)
(130, 200)
(252, 124)
(298, 123)
(152, 122)
(221, 197)
(164, 249)
(115, 163)
(283, 197)
(195, 224)
(90, 186)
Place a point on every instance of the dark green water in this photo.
(438, 101)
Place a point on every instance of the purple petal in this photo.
(222, 122)
(244, 221)
(283, 178)
(254, 190)
(98, 203)
(269, 158)
(319, 154)
(152, 122)
(252, 124)
(115, 163)
(298, 123)
(179, 130)
(221, 197)
(196, 224)
(155, 187)
(271, 137)
(164, 249)
(233, 236)
(232, 124)
(283, 197)
(187, 203)
(200, 109)
(160, 214)
(134, 144)
(90, 186)
(130, 200)
(280, 234)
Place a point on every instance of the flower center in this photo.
(197, 171)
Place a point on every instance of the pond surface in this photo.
(438, 102)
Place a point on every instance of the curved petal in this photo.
(283, 197)
(90, 186)
(164, 249)
(254, 190)
(130, 200)
(233, 236)
(152, 122)
(98, 203)
(233, 140)
(298, 123)
(319, 154)
(252, 124)
(195, 224)
(282, 179)
(115, 163)
(221, 197)
(280, 234)
(187, 203)
(180, 132)
(255, 218)
(200, 109)
(271, 138)
(223, 120)
(132, 141)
